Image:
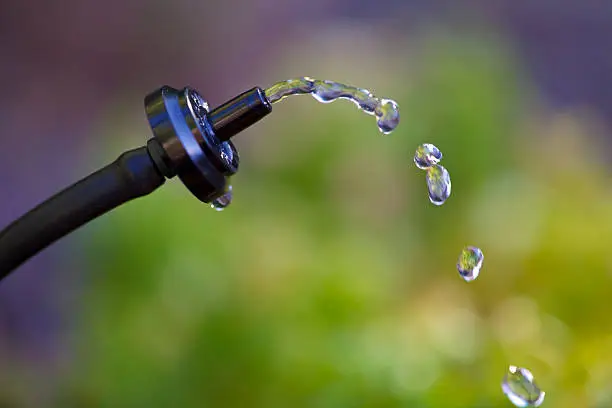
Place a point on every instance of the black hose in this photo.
(132, 175)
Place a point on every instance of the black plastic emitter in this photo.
(189, 141)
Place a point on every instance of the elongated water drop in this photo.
(385, 110)
(327, 91)
(520, 388)
(470, 262)
(427, 155)
(281, 90)
(220, 203)
(438, 184)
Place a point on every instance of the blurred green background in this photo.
(330, 281)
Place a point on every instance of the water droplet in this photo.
(427, 155)
(385, 110)
(520, 388)
(388, 116)
(470, 262)
(220, 203)
(438, 184)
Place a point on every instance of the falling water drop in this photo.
(427, 155)
(520, 388)
(386, 111)
(220, 203)
(470, 262)
(438, 184)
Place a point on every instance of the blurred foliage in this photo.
(331, 281)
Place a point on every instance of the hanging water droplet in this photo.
(427, 155)
(388, 116)
(520, 388)
(470, 262)
(438, 184)
(220, 203)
